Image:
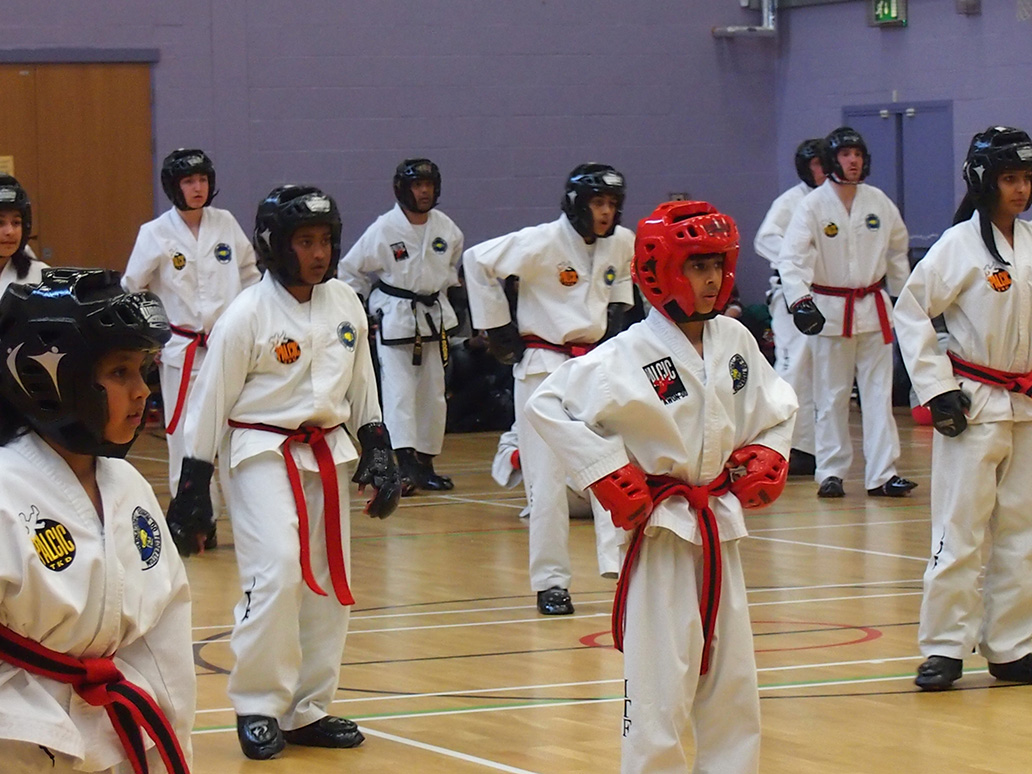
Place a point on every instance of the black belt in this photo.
(426, 299)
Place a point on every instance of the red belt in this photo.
(571, 350)
(851, 295)
(316, 438)
(662, 487)
(1015, 382)
(196, 340)
(100, 684)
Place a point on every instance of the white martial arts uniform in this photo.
(87, 588)
(565, 289)
(825, 245)
(9, 274)
(422, 259)
(648, 397)
(275, 361)
(792, 358)
(196, 279)
(979, 478)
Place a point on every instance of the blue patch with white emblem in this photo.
(223, 253)
(147, 537)
(346, 334)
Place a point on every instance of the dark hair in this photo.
(12, 422)
(21, 262)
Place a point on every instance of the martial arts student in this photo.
(197, 259)
(792, 359)
(16, 261)
(404, 264)
(843, 254)
(676, 425)
(978, 276)
(288, 368)
(574, 286)
(96, 662)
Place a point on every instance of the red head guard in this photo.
(666, 239)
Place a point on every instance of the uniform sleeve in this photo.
(924, 296)
(771, 233)
(219, 384)
(798, 255)
(486, 266)
(361, 393)
(623, 289)
(569, 417)
(164, 655)
(358, 266)
(143, 262)
(458, 245)
(898, 264)
(247, 260)
(767, 416)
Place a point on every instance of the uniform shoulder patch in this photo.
(568, 275)
(999, 278)
(873, 222)
(223, 253)
(178, 261)
(439, 245)
(53, 543)
(831, 229)
(285, 349)
(739, 372)
(147, 537)
(665, 380)
(400, 251)
(347, 335)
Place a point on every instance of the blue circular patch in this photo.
(346, 334)
(223, 253)
(610, 275)
(147, 537)
(439, 245)
(872, 221)
(739, 372)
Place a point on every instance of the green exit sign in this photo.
(888, 13)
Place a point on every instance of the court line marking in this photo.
(754, 530)
(447, 752)
(922, 559)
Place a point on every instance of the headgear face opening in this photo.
(51, 336)
(281, 213)
(585, 182)
(839, 139)
(14, 197)
(667, 238)
(182, 163)
(990, 153)
(407, 173)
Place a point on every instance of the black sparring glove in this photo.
(615, 315)
(807, 317)
(506, 344)
(377, 467)
(948, 412)
(190, 514)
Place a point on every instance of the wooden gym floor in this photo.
(449, 668)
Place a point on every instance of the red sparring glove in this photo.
(514, 459)
(625, 494)
(764, 478)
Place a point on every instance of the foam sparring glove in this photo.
(615, 316)
(625, 494)
(948, 412)
(190, 514)
(378, 468)
(764, 478)
(806, 316)
(506, 344)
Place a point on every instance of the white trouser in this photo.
(980, 485)
(29, 758)
(169, 376)
(544, 479)
(414, 407)
(836, 361)
(287, 639)
(665, 694)
(794, 363)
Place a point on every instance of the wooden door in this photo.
(83, 150)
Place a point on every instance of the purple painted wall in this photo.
(829, 58)
(506, 97)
